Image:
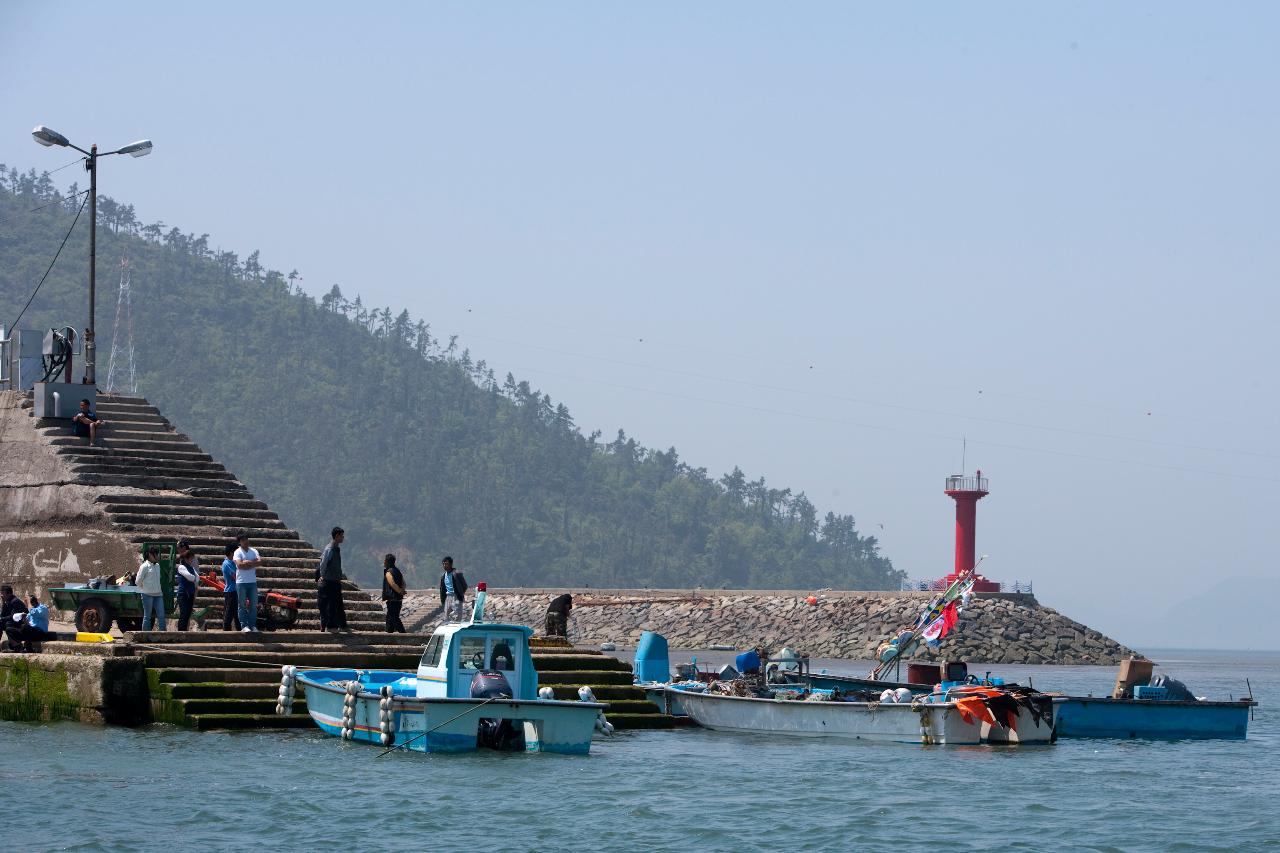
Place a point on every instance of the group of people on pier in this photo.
(240, 587)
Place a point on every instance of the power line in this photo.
(51, 263)
(41, 207)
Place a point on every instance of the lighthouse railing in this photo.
(961, 483)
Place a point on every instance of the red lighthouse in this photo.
(966, 492)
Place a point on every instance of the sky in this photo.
(851, 248)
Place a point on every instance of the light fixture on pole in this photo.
(141, 148)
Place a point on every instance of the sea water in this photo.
(80, 787)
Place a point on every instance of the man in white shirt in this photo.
(247, 561)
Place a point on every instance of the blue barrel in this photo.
(652, 662)
(748, 663)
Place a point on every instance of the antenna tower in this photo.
(122, 337)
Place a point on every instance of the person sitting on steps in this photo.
(86, 424)
(28, 630)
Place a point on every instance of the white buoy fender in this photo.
(546, 693)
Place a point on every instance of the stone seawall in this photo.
(996, 628)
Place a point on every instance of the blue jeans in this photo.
(152, 607)
(247, 599)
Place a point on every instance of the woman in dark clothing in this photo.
(392, 593)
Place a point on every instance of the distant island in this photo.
(338, 412)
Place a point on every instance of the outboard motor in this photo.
(490, 733)
(490, 684)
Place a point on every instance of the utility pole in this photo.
(90, 348)
(141, 148)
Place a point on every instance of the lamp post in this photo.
(141, 148)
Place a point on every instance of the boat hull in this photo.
(938, 723)
(1080, 716)
(444, 725)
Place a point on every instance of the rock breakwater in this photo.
(993, 629)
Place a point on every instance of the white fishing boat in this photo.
(897, 722)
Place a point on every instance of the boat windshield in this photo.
(431, 657)
(471, 651)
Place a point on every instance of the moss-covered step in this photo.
(208, 722)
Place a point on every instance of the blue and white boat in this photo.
(475, 686)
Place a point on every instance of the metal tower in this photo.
(122, 344)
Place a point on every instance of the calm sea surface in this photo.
(79, 787)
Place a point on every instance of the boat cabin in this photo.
(457, 651)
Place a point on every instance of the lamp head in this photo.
(47, 137)
(141, 148)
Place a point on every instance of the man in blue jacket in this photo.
(453, 591)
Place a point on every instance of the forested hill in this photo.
(339, 413)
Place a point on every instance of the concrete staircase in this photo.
(158, 484)
(214, 681)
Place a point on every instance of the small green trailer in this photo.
(100, 602)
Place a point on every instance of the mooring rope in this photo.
(272, 665)
(433, 728)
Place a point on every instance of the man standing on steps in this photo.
(453, 591)
(230, 604)
(247, 561)
(329, 574)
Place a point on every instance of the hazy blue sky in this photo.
(822, 242)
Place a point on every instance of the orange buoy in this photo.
(812, 601)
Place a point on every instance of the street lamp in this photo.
(141, 148)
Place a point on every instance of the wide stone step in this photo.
(139, 406)
(60, 426)
(291, 567)
(355, 601)
(151, 481)
(254, 533)
(197, 675)
(552, 663)
(142, 438)
(235, 705)
(144, 464)
(219, 722)
(316, 640)
(132, 421)
(201, 542)
(168, 517)
(191, 510)
(82, 451)
(630, 706)
(181, 500)
(578, 677)
(258, 658)
(623, 722)
(218, 689)
(134, 467)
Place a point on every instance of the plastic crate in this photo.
(1143, 691)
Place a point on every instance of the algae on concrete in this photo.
(32, 693)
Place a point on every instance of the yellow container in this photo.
(86, 637)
